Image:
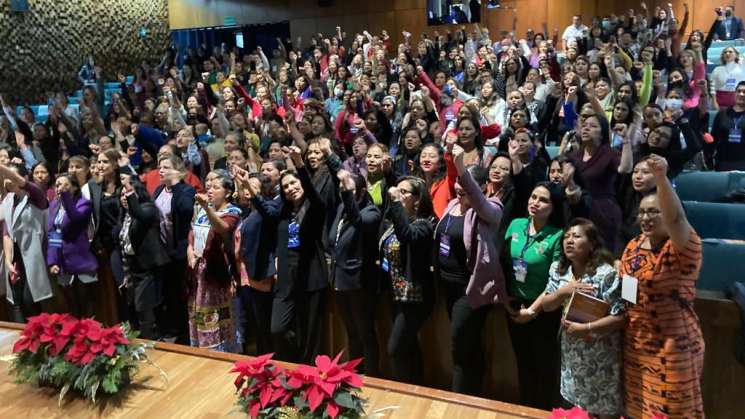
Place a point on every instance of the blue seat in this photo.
(723, 264)
(552, 151)
(730, 43)
(708, 186)
(716, 221)
(130, 79)
(111, 85)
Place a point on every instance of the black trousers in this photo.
(79, 298)
(296, 325)
(23, 302)
(403, 344)
(171, 314)
(536, 347)
(466, 328)
(261, 311)
(357, 311)
(142, 298)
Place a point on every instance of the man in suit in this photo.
(730, 26)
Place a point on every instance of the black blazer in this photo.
(308, 271)
(259, 237)
(417, 241)
(144, 233)
(182, 211)
(354, 252)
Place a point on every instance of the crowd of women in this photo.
(225, 194)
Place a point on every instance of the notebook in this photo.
(583, 308)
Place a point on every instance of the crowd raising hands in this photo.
(223, 194)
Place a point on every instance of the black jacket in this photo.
(182, 211)
(308, 271)
(259, 237)
(144, 234)
(354, 252)
(417, 240)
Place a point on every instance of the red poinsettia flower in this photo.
(110, 338)
(30, 339)
(263, 378)
(253, 368)
(86, 343)
(57, 332)
(323, 380)
(573, 413)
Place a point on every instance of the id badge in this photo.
(54, 239)
(735, 136)
(521, 269)
(384, 265)
(629, 288)
(444, 245)
(730, 84)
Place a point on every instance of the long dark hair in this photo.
(599, 254)
(556, 193)
(426, 209)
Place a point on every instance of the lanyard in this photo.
(528, 241)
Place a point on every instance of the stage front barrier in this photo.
(200, 386)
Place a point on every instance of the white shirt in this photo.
(572, 32)
(724, 78)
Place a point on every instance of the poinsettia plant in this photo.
(82, 355)
(328, 389)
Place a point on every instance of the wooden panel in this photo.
(200, 386)
(721, 322)
(43, 48)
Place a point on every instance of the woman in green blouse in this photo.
(534, 243)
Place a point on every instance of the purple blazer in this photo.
(481, 222)
(75, 255)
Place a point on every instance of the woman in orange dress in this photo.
(663, 347)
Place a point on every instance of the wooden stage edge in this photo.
(370, 382)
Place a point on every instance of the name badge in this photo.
(521, 269)
(735, 136)
(629, 288)
(730, 84)
(54, 239)
(444, 245)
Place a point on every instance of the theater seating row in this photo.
(720, 225)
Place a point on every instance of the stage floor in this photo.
(201, 387)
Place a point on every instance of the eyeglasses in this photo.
(650, 213)
(406, 191)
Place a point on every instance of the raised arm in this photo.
(488, 211)
(673, 215)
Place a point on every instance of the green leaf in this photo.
(344, 400)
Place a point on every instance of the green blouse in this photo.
(538, 252)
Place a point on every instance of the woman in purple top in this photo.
(24, 212)
(599, 166)
(69, 254)
(468, 266)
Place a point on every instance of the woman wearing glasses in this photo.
(663, 346)
(406, 260)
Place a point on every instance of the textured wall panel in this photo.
(41, 50)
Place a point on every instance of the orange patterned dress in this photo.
(663, 344)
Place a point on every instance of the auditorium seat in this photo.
(708, 186)
(724, 263)
(717, 221)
